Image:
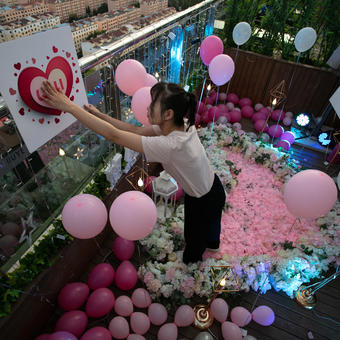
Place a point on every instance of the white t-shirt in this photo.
(183, 157)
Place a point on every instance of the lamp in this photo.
(303, 119)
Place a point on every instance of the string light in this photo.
(140, 182)
(61, 152)
(209, 87)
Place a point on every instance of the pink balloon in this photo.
(219, 114)
(259, 124)
(97, 333)
(275, 131)
(99, 303)
(73, 295)
(263, 315)
(126, 276)
(139, 322)
(119, 327)
(310, 194)
(200, 107)
(235, 116)
(240, 316)
(43, 337)
(212, 113)
(219, 309)
(133, 215)
(223, 107)
(265, 110)
(179, 192)
(230, 331)
(230, 106)
(289, 115)
(84, 216)
(287, 121)
(141, 298)
(237, 109)
(169, 331)
(148, 184)
(210, 47)
(209, 101)
(150, 80)
(197, 119)
(62, 336)
(240, 132)
(130, 76)
(157, 314)
(237, 126)
(221, 69)
(258, 106)
(212, 96)
(135, 337)
(140, 102)
(258, 116)
(124, 306)
(245, 102)
(101, 276)
(74, 322)
(222, 97)
(284, 144)
(184, 316)
(233, 98)
(277, 115)
(123, 249)
(227, 115)
(247, 111)
(289, 136)
(205, 117)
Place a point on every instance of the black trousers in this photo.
(202, 222)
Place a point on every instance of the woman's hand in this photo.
(92, 109)
(55, 98)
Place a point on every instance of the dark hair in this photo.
(174, 97)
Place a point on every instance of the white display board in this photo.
(335, 101)
(25, 64)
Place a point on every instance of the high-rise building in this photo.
(149, 7)
(65, 8)
(11, 13)
(114, 5)
(81, 29)
(94, 4)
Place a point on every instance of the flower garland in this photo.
(165, 275)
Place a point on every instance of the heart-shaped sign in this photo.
(58, 73)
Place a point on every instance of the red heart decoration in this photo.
(12, 91)
(55, 50)
(17, 66)
(60, 71)
(68, 54)
(41, 120)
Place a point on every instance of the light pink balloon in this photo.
(284, 144)
(221, 69)
(219, 309)
(235, 116)
(245, 102)
(141, 298)
(133, 215)
(184, 316)
(150, 80)
(130, 76)
(258, 106)
(101, 276)
(97, 333)
(230, 331)
(169, 331)
(247, 111)
(310, 194)
(237, 109)
(126, 276)
(233, 98)
(275, 131)
(43, 337)
(84, 216)
(73, 295)
(241, 132)
(222, 97)
(230, 106)
(135, 337)
(122, 248)
(289, 136)
(259, 124)
(123, 306)
(289, 114)
(157, 314)
(140, 102)
(74, 322)
(119, 327)
(263, 315)
(210, 47)
(287, 121)
(140, 323)
(237, 126)
(240, 316)
(62, 336)
(99, 303)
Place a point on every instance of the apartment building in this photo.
(94, 4)
(12, 13)
(149, 7)
(64, 8)
(81, 29)
(114, 5)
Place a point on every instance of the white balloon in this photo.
(265, 137)
(203, 336)
(338, 180)
(305, 39)
(241, 33)
(222, 120)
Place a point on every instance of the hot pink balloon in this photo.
(284, 144)
(289, 136)
(209, 101)
(222, 97)
(265, 110)
(139, 322)
(277, 115)
(184, 316)
(97, 333)
(212, 113)
(233, 98)
(119, 328)
(197, 119)
(275, 131)
(230, 331)
(287, 121)
(205, 117)
(141, 298)
(263, 315)
(62, 336)
(74, 322)
(133, 215)
(157, 314)
(84, 216)
(123, 306)
(235, 116)
(169, 331)
(210, 47)
(99, 303)
(150, 80)
(135, 337)
(247, 111)
(140, 102)
(73, 295)
(130, 76)
(179, 192)
(260, 124)
(240, 316)
(200, 107)
(148, 184)
(227, 115)
(245, 102)
(101, 276)
(258, 116)
(221, 69)
(212, 96)
(219, 309)
(126, 276)
(258, 106)
(310, 194)
(123, 249)
(43, 337)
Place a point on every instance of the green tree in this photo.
(72, 17)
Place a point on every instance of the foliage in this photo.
(103, 8)
(98, 185)
(181, 5)
(72, 17)
(94, 34)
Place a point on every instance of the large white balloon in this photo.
(305, 39)
(338, 180)
(204, 336)
(241, 33)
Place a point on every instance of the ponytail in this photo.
(191, 110)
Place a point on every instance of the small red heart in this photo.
(72, 98)
(75, 71)
(68, 54)
(77, 80)
(12, 92)
(47, 57)
(33, 60)
(41, 120)
(22, 111)
(17, 66)
(73, 64)
(55, 50)
(57, 120)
